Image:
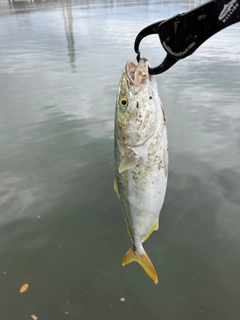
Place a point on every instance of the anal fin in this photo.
(154, 227)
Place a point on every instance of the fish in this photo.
(141, 158)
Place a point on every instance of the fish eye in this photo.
(123, 102)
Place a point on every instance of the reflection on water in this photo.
(68, 24)
(61, 227)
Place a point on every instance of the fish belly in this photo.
(143, 188)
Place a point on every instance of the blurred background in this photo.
(61, 226)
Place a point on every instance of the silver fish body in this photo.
(141, 157)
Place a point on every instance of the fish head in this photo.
(136, 104)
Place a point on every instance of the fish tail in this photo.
(143, 260)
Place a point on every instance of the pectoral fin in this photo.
(129, 161)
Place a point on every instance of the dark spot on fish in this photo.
(137, 105)
(150, 97)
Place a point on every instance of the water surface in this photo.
(61, 226)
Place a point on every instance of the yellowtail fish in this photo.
(141, 158)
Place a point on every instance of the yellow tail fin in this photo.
(143, 260)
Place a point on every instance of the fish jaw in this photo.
(138, 76)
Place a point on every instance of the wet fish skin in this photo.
(141, 158)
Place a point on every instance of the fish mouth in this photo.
(130, 70)
(137, 74)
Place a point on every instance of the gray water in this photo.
(61, 226)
